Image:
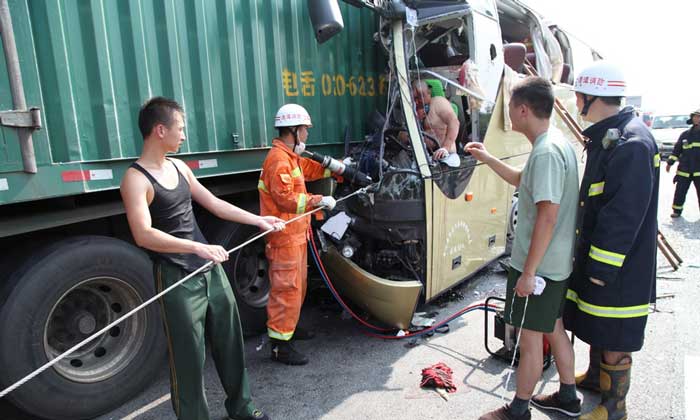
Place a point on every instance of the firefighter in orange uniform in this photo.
(283, 194)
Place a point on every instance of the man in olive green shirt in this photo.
(543, 246)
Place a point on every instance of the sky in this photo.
(652, 42)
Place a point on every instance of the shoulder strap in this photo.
(145, 172)
(179, 174)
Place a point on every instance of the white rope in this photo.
(153, 299)
(539, 288)
(517, 341)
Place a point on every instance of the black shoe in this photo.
(257, 415)
(303, 334)
(283, 352)
(552, 402)
(674, 215)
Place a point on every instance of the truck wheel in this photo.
(60, 296)
(246, 270)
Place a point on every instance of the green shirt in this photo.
(550, 174)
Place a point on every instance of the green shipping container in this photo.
(89, 65)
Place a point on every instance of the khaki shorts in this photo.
(542, 311)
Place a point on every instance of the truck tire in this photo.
(246, 270)
(61, 295)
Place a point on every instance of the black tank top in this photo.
(171, 212)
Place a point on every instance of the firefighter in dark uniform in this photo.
(614, 278)
(687, 153)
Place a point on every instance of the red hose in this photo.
(457, 314)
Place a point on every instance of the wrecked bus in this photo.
(429, 226)
(69, 266)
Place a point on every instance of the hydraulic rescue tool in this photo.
(348, 172)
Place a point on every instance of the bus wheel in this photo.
(512, 222)
(64, 294)
(246, 270)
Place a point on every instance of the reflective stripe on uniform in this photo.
(608, 311)
(596, 189)
(672, 158)
(606, 257)
(690, 146)
(278, 335)
(696, 174)
(301, 203)
(327, 173)
(675, 207)
(296, 173)
(657, 160)
(683, 174)
(262, 187)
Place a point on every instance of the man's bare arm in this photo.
(134, 191)
(542, 233)
(509, 174)
(451, 121)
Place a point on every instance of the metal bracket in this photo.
(30, 118)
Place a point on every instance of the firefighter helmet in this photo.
(690, 120)
(292, 115)
(601, 79)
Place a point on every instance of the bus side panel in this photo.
(469, 233)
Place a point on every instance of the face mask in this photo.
(299, 148)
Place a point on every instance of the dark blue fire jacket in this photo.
(687, 153)
(616, 236)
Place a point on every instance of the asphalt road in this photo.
(353, 376)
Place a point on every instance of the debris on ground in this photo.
(421, 319)
(438, 376)
(447, 298)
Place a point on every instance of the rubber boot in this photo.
(301, 333)
(590, 379)
(614, 385)
(284, 352)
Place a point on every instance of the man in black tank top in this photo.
(158, 193)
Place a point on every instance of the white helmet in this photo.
(601, 79)
(292, 115)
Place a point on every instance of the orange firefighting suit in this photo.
(283, 194)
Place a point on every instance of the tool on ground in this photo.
(438, 376)
(99, 333)
(663, 245)
(671, 255)
(348, 172)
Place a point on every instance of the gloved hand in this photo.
(327, 201)
(299, 148)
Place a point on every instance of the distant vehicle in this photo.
(666, 130)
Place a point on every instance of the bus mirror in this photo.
(325, 18)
